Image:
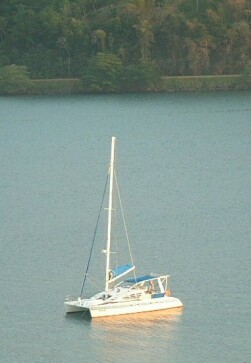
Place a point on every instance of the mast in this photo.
(108, 246)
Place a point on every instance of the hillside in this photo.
(132, 38)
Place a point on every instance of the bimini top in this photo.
(135, 280)
(121, 270)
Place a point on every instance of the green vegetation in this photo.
(103, 73)
(51, 86)
(14, 80)
(169, 84)
(106, 72)
(123, 45)
(203, 83)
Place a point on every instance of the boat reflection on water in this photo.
(127, 335)
(140, 320)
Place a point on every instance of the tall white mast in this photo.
(110, 207)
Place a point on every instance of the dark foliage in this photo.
(55, 38)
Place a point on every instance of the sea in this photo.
(184, 170)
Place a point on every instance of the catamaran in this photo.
(134, 294)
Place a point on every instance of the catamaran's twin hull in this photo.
(112, 309)
(133, 295)
(73, 307)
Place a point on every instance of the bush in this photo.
(245, 78)
(103, 73)
(14, 80)
(140, 77)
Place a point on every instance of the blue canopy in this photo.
(121, 270)
(135, 280)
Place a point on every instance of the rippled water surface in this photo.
(184, 165)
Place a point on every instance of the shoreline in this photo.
(167, 84)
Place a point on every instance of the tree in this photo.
(103, 73)
(143, 76)
(62, 43)
(146, 38)
(14, 79)
(98, 37)
(180, 37)
(3, 27)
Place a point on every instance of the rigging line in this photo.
(123, 217)
(94, 235)
(93, 282)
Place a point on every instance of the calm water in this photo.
(185, 176)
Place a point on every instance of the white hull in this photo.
(135, 307)
(113, 309)
(73, 306)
